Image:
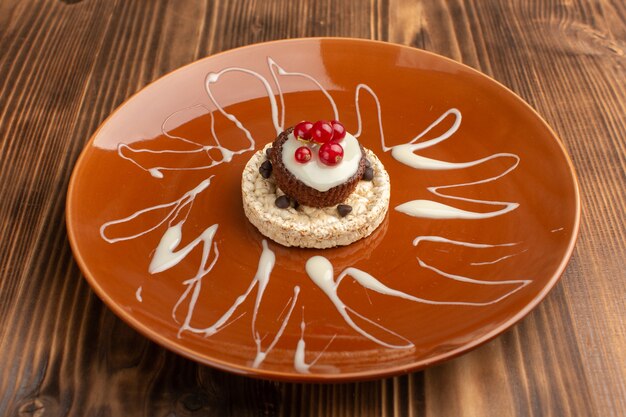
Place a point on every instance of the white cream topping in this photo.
(316, 174)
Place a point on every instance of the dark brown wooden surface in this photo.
(65, 65)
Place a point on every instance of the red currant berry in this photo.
(303, 154)
(331, 153)
(303, 130)
(321, 132)
(339, 132)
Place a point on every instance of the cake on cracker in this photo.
(315, 186)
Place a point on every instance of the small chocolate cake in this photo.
(302, 193)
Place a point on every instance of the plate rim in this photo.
(261, 373)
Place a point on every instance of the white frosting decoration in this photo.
(166, 256)
(316, 174)
(518, 283)
(168, 253)
(299, 362)
(434, 210)
(320, 270)
(404, 153)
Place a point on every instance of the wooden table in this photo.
(66, 64)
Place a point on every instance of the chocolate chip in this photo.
(268, 152)
(282, 202)
(368, 174)
(295, 203)
(368, 164)
(344, 209)
(266, 169)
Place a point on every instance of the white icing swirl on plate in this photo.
(170, 251)
(315, 173)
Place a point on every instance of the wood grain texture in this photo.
(65, 65)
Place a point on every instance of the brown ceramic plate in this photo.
(494, 213)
